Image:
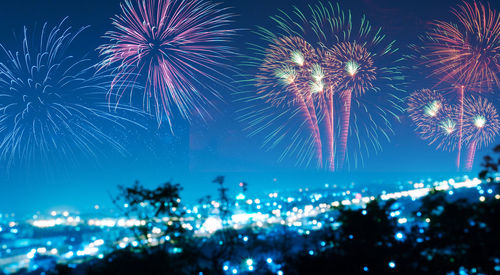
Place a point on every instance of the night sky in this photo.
(199, 152)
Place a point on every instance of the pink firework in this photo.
(467, 54)
(327, 82)
(353, 66)
(428, 110)
(316, 63)
(447, 133)
(436, 121)
(173, 48)
(284, 78)
(481, 125)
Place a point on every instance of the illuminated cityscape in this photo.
(45, 239)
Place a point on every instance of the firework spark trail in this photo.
(312, 112)
(466, 54)
(173, 47)
(346, 112)
(460, 124)
(471, 155)
(322, 87)
(52, 102)
(307, 98)
(330, 134)
(307, 106)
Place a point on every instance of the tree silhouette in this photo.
(459, 236)
(157, 208)
(490, 166)
(225, 204)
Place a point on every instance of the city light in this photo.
(310, 211)
(392, 264)
(399, 236)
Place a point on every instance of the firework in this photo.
(316, 61)
(437, 122)
(447, 133)
(354, 68)
(175, 48)
(428, 110)
(366, 77)
(290, 75)
(435, 119)
(466, 54)
(481, 125)
(52, 102)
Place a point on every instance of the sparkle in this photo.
(317, 87)
(317, 73)
(352, 67)
(448, 126)
(298, 58)
(392, 264)
(287, 75)
(479, 121)
(432, 109)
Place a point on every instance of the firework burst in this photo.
(447, 133)
(284, 75)
(481, 126)
(466, 54)
(364, 72)
(430, 113)
(318, 61)
(438, 122)
(290, 75)
(354, 69)
(175, 49)
(435, 119)
(52, 102)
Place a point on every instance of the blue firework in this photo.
(52, 102)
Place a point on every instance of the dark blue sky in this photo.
(198, 153)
